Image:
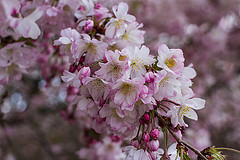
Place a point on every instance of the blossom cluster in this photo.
(119, 85)
(114, 84)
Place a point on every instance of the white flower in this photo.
(138, 58)
(114, 68)
(172, 152)
(171, 60)
(136, 154)
(27, 27)
(93, 48)
(187, 104)
(133, 35)
(116, 26)
(166, 85)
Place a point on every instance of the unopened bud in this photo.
(149, 77)
(155, 133)
(146, 137)
(88, 25)
(153, 145)
(135, 143)
(146, 118)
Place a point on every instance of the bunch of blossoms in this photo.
(121, 89)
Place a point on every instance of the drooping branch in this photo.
(196, 151)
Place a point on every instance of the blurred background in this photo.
(208, 31)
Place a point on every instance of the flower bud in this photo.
(88, 25)
(135, 143)
(146, 137)
(149, 77)
(155, 133)
(146, 118)
(153, 145)
(84, 72)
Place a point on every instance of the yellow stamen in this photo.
(170, 63)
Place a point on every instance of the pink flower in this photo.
(116, 26)
(133, 35)
(128, 92)
(101, 12)
(94, 50)
(171, 60)
(172, 152)
(166, 85)
(187, 104)
(114, 68)
(27, 27)
(69, 39)
(136, 154)
(138, 58)
(71, 79)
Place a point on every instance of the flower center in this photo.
(163, 82)
(114, 69)
(170, 63)
(91, 48)
(184, 111)
(137, 63)
(127, 89)
(119, 23)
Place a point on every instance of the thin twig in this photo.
(178, 139)
(228, 149)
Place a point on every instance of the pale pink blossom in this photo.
(132, 35)
(171, 60)
(187, 104)
(101, 12)
(136, 154)
(69, 39)
(114, 68)
(116, 26)
(128, 92)
(138, 58)
(105, 150)
(166, 85)
(27, 26)
(94, 49)
(172, 152)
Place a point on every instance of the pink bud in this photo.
(146, 137)
(141, 121)
(81, 8)
(149, 77)
(84, 72)
(97, 5)
(135, 143)
(72, 68)
(155, 133)
(153, 145)
(88, 25)
(146, 117)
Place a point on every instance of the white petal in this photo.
(64, 40)
(195, 103)
(191, 114)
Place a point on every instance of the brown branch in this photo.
(177, 138)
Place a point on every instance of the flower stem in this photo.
(196, 151)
